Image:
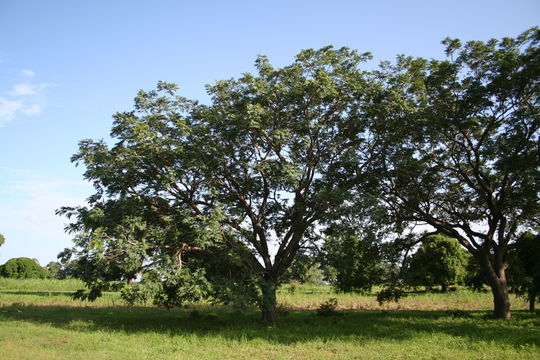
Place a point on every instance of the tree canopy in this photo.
(461, 147)
(23, 268)
(252, 174)
(524, 274)
(440, 260)
(190, 193)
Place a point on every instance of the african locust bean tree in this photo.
(252, 174)
(461, 151)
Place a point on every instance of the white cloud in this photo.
(28, 73)
(8, 109)
(32, 109)
(24, 89)
(25, 97)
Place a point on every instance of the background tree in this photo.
(440, 260)
(524, 275)
(254, 173)
(358, 261)
(305, 269)
(461, 147)
(54, 268)
(2, 239)
(23, 268)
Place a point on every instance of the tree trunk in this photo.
(532, 298)
(501, 301)
(268, 303)
(499, 288)
(444, 288)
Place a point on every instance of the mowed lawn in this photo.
(38, 320)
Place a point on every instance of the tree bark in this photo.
(532, 298)
(269, 302)
(499, 289)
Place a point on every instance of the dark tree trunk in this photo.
(499, 289)
(501, 301)
(499, 286)
(269, 302)
(444, 288)
(532, 298)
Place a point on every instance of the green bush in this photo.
(23, 268)
(440, 260)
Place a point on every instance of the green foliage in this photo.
(459, 146)
(524, 275)
(2, 239)
(440, 260)
(357, 260)
(329, 308)
(305, 269)
(475, 277)
(264, 162)
(279, 154)
(394, 292)
(23, 268)
(54, 269)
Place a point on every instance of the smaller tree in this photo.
(357, 260)
(306, 268)
(524, 275)
(440, 260)
(475, 277)
(23, 268)
(2, 239)
(54, 268)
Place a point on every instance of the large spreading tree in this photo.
(244, 180)
(461, 150)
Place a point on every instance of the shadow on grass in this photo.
(297, 326)
(39, 293)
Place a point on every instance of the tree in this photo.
(524, 275)
(23, 268)
(55, 269)
(461, 147)
(305, 269)
(257, 169)
(2, 239)
(357, 259)
(440, 260)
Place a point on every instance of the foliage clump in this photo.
(440, 260)
(23, 268)
(329, 308)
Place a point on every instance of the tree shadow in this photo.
(296, 327)
(39, 293)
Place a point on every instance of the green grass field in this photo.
(38, 320)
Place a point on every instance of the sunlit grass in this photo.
(298, 297)
(38, 320)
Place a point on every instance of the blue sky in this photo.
(67, 66)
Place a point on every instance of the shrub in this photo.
(328, 308)
(440, 260)
(23, 268)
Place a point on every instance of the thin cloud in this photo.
(33, 109)
(28, 73)
(23, 89)
(25, 98)
(27, 212)
(8, 109)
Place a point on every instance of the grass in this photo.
(36, 324)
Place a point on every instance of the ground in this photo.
(39, 320)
